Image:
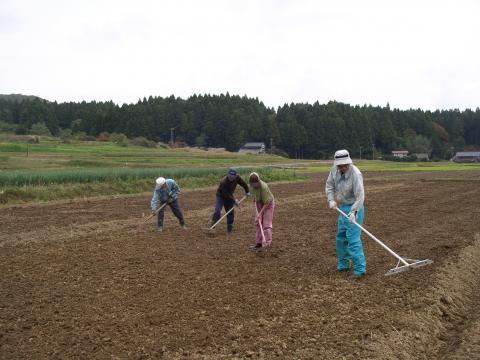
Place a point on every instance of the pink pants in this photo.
(266, 218)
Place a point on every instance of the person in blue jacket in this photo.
(167, 191)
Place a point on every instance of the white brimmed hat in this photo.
(160, 181)
(342, 157)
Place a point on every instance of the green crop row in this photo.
(71, 176)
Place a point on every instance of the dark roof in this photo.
(252, 145)
(468, 153)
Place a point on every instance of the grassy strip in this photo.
(53, 154)
(391, 166)
(80, 176)
(56, 191)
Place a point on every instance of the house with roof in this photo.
(253, 148)
(422, 156)
(400, 153)
(466, 156)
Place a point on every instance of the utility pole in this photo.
(271, 145)
(172, 131)
(373, 151)
(28, 141)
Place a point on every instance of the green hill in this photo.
(18, 97)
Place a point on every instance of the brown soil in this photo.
(86, 279)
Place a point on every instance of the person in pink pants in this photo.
(265, 206)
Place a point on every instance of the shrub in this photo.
(119, 139)
(80, 135)
(65, 135)
(40, 129)
(162, 145)
(33, 139)
(103, 136)
(141, 141)
(8, 127)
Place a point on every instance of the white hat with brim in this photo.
(342, 157)
(159, 182)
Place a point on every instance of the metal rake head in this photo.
(412, 264)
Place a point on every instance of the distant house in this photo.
(253, 148)
(422, 156)
(400, 153)
(467, 156)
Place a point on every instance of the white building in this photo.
(400, 153)
(422, 156)
(253, 148)
(467, 156)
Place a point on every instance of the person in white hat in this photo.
(344, 189)
(167, 191)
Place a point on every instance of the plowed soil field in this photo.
(87, 279)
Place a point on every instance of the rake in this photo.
(211, 229)
(403, 264)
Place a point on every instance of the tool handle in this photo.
(393, 253)
(228, 212)
(260, 220)
(155, 213)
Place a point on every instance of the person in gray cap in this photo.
(344, 189)
(226, 199)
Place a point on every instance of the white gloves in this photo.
(237, 203)
(332, 204)
(352, 216)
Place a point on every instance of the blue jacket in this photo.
(170, 193)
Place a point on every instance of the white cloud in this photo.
(409, 53)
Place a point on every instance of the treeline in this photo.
(300, 130)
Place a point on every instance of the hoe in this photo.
(261, 229)
(403, 264)
(211, 229)
(155, 213)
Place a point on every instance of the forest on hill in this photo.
(298, 129)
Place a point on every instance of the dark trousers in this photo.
(177, 211)
(220, 203)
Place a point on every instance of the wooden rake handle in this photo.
(155, 213)
(228, 212)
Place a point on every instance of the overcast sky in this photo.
(410, 53)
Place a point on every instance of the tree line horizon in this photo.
(300, 130)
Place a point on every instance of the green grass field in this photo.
(53, 154)
(54, 170)
(392, 166)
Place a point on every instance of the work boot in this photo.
(256, 247)
(229, 229)
(183, 226)
(160, 228)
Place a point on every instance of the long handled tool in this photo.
(264, 243)
(155, 213)
(403, 264)
(211, 228)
